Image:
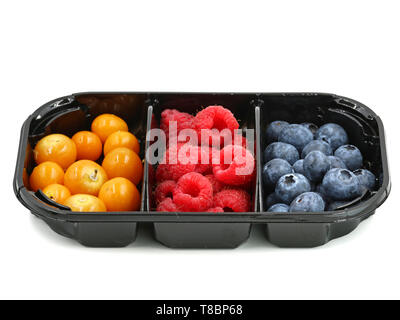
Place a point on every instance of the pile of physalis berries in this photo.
(67, 171)
(215, 173)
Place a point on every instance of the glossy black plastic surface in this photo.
(204, 230)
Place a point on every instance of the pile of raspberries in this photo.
(186, 184)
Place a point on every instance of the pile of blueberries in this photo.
(311, 169)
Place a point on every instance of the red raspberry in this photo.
(173, 171)
(249, 186)
(204, 165)
(163, 173)
(237, 166)
(233, 200)
(238, 140)
(185, 158)
(217, 186)
(216, 209)
(193, 193)
(167, 205)
(164, 190)
(241, 141)
(214, 117)
(173, 143)
(215, 155)
(183, 120)
(174, 165)
(177, 146)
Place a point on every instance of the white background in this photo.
(52, 48)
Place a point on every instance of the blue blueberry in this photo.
(335, 162)
(290, 186)
(271, 199)
(367, 178)
(298, 166)
(275, 169)
(351, 156)
(311, 126)
(332, 133)
(307, 202)
(279, 207)
(296, 135)
(315, 165)
(282, 151)
(341, 184)
(320, 190)
(273, 130)
(380, 179)
(317, 145)
(335, 205)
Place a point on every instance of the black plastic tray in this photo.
(205, 230)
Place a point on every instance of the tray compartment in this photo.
(365, 131)
(69, 115)
(206, 234)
